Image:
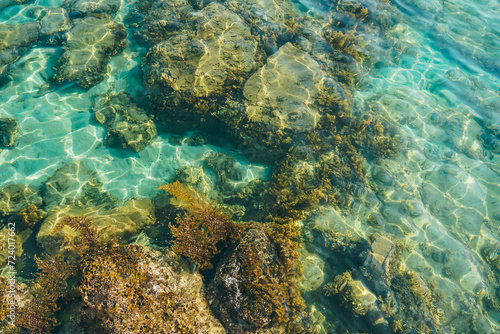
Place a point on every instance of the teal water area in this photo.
(415, 249)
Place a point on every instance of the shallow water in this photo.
(436, 78)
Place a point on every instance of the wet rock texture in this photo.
(76, 185)
(79, 8)
(91, 43)
(282, 93)
(126, 124)
(194, 66)
(8, 132)
(232, 299)
(120, 222)
(54, 24)
(15, 41)
(16, 197)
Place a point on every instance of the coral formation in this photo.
(127, 125)
(91, 43)
(8, 132)
(204, 230)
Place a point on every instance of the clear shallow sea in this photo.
(440, 194)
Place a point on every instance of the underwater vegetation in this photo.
(203, 231)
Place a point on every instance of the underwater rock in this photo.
(272, 21)
(282, 93)
(135, 290)
(190, 68)
(157, 20)
(15, 41)
(8, 132)
(255, 285)
(313, 266)
(76, 185)
(16, 197)
(121, 222)
(80, 8)
(126, 124)
(196, 178)
(91, 44)
(54, 24)
(231, 297)
(6, 237)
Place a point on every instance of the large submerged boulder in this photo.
(283, 93)
(91, 44)
(193, 67)
(127, 125)
(54, 24)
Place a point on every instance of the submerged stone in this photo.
(158, 20)
(282, 93)
(195, 65)
(127, 125)
(76, 185)
(231, 295)
(54, 23)
(15, 41)
(16, 197)
(91, 44)
(8, 132)
(79, 8)
(121, 222)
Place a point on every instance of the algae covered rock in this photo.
(74, 184)
(10, 245)
(79, 8)
(8, 132)
(91, 44)
(252, 290)
(15, 41)
(193, 66)
(137, 290)
(282, 94)
(126, 124)
(16, 197)
(157, 20)
(54, 24)
(120, 222)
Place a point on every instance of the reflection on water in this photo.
(360, 137)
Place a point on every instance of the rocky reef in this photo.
(91, 43)
(126, 124)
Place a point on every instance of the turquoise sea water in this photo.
(434, 76)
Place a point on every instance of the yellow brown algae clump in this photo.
(204, 230)
(132, 289)
(256, 281)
